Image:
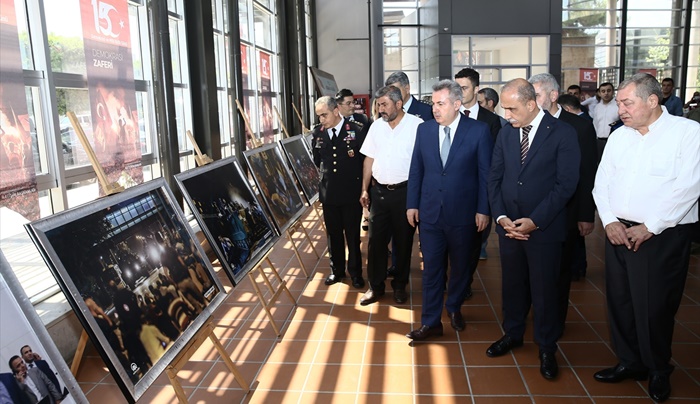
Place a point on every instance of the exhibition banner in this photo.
(588, 80)
(110, 77)
(266, 99)
(17, 176)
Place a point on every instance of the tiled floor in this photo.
(334, 351)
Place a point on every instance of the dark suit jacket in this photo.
(362, 120)
(490, 119)
(460, 188)
(420, 109)
(340, 163)
(581, 207)
(585, 114)
(541, 187)
(16, 393)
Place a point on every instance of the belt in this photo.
(602, 138)
(628, 223)
(390, 187)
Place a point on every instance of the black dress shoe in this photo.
(425, 331)
(502, 346)
(659, 387)
(391, 271)
(400, 296)
(548, 365)
(619, 373)
(371, 296)
(358, 282)
(457, 321)
(333, 279)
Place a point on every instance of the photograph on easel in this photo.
(303, 166)
(136, 277)
(28, 355)
(230, 215)
(276, 184)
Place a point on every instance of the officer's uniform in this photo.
(340, 165)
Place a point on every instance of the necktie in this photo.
(334, 134)
(525, 143)
(445, 149)
(31, 365)
(466, 113)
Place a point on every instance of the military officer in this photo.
(346, 106)
(336, 151)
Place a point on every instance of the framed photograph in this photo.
(303, 166)
(136, 277)
(276, 184)
(308, 139)
(26, 347)
(230, 215)
(325, 82)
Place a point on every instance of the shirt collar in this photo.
(408, 103)
(452, 126)
(535, 122)
(337, 127)
(556, 114)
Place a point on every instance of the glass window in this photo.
(263, 28)
(65, 36)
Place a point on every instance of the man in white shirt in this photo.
(646, 191)
(604, 114)
(388, 149)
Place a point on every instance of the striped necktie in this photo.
(525, 143)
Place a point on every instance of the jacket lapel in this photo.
(457, 137)
(543, 132)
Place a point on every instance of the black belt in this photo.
(628, 223)
(603, 138)
(390, 187)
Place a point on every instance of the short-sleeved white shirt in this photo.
(391, 149)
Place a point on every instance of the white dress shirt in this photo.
(391, 149)
(407, 104)
(653, 178)
(603, 116)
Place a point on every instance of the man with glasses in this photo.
(346, 105)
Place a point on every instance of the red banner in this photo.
(17, 175)
(266, 99)
(110, 77)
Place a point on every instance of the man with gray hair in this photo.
(336, 151)
(388, 149)
(534, 172)
(646, 191)
(410, 104)
(580, 210)
(447, 198)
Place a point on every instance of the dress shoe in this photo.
(371, 296)
(333, 279)
(548, 365)
(619, 373)
(425, 331)
(391, 271)
(502, 346)
(358, 282)
(400, 296)
(457, 321)
(659, 387)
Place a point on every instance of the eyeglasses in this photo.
(348, 103)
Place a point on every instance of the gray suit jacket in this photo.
(42, 383)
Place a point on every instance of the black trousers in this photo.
(387, 220)
(343, 226)
(644, 290)
(530, 273)
(571, 261)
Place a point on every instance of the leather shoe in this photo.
(425, 331)
(400, 296)
(548, 365)
(457, 321)
(503, 346)
(358, 282)
(659, 387)
(371, 296)
(619, 373)
(333, 279)
(391, 271)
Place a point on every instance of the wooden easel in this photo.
(281, 122)
(107, 187)
(253, 139)
(303, 127)
(207, 331)
(268, 304)
(199, 158)
(293, 228)
(318, 208)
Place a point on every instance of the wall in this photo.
(343, 42)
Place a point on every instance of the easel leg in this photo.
(309, 240)
(78, 356)
(262, 299)
(296, 250)
(279, 279)
(319, 213)
(229, 363)
(177, 386)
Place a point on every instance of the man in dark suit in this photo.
(534, 173)
(410, 104)
(336, 152)
(447, 194)
(468, 79)
(572, 104)
(33, 359)
(487, 98)
(580, 211)
(346, 105)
